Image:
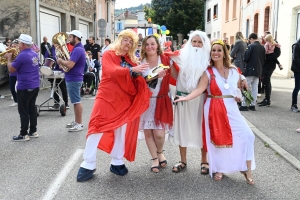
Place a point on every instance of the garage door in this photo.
(83, 28)
(50, 25)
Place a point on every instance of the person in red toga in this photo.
(121, 99)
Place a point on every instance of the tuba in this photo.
(15, 52)
(61, 50)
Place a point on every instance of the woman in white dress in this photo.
(229, 140)
(159, 115)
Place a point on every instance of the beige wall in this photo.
(231, 25)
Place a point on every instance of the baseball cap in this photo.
(76, 33)
(26, 39)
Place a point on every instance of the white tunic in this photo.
(229, 160)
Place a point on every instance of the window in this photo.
(255, 23)
(247, 28)
(267, 17)
(119, 26)
(227, 11)
(234, 10)
(208, 15)
(215, 11)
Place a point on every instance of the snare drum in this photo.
(48, 66)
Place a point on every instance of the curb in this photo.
(286, 155)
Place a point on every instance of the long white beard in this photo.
(193, 62)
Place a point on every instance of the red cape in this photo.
(120, 99)
(175, 53)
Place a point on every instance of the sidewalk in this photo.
(277, 122)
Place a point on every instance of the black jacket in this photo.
(296, 57)
(270, 62)
(254, 59)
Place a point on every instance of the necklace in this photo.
(226, 85)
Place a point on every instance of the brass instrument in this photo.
(15, 52)
(60, 42)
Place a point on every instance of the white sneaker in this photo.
(259, 95)
(75, 128)
(14, 104)
(73, 123)
(11, 97)
(2, 97)
(33, 135)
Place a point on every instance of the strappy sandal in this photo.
(163, 163)
(154, 167)
(178, 167)
(218, 176)
(250, 181)
(204, 170)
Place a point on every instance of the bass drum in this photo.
(48, 66)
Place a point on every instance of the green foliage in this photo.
(149, 12)
(179, 16)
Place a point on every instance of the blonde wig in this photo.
(128, 33)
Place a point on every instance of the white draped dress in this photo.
(229, 160)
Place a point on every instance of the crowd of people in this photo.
(209, 75)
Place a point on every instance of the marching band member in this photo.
(62, 82)
(26, 65)
(114, 121)
(74, 77)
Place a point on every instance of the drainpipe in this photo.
(37, 10)
(276, 19)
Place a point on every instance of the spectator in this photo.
(296, 69)
(238, 51)
(254, 58)
(94, 48)
(45, 46)
(226, 43)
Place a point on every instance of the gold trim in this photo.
(220, 97)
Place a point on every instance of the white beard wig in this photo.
(194, 61)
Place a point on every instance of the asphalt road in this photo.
(46, 167)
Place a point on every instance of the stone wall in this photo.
(15, 15)
(79, 7)
(14, 18)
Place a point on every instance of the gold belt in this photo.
(220, 97)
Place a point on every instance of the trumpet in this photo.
(15, 52)
(61, 50)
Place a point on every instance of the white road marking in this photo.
(60, 178)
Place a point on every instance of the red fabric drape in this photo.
(175, 53)
(220, 130)
(120, 99)
(164, 109)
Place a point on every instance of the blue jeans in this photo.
(27, 109)
(296, 89)
(12, 85)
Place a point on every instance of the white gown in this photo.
(229, 160)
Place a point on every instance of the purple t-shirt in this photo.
(78, 56)
(27, 66)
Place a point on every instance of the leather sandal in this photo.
(204, 170)
(163, 163)
(179, 167)
(250, 181)
(154, 167)
(218, 176)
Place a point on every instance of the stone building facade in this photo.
(40, 18)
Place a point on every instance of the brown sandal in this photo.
(218, 177)
(250, 181)
(179, 167)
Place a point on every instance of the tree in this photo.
(160, 8)
(184, 16)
